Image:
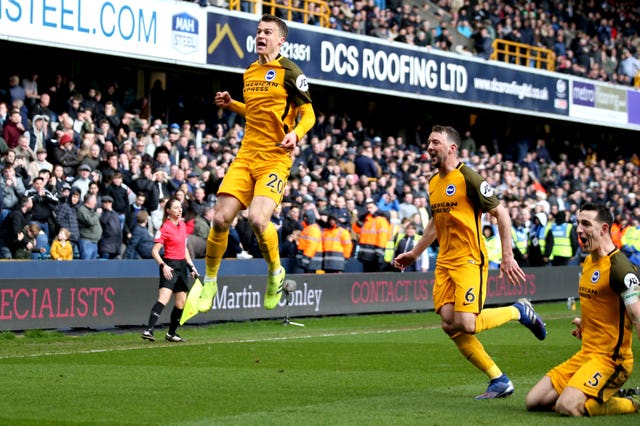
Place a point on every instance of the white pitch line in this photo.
(253, 340)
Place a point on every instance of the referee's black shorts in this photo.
(180, 280)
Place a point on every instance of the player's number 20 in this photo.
(275, 183)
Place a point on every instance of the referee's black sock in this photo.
(176, 313)
(155, 314)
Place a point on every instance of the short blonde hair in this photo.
(66, 232)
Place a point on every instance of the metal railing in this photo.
(307, 9)
(523, 54)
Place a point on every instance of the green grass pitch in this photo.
(390, 369)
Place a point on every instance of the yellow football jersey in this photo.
(606, 327)
(457, 202)
(272, 92)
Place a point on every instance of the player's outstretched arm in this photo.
(631, 298)
(224, 100)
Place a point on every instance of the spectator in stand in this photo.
(44, 205)
(19, 219)
(565, 239)
(630, 241)
(67, 216)
(83, 179)
(540, 243)
(110, 243)
(310, 254)
(291, 221)
(61, 247)
(16, 91)
(404, 242)
(146, 186)
(493, 245)
(110, 166)
(40, 163)
(89, 227)
(407, 208)
(39, 133)
(120, 196)
(388, 201)
(482, 42)
(234, 246)
(374, 235)
(519, 237)
(13, 189)
(13, 128)
(365, 166)
(26, 244)
(336, 245)
(134, 209)
(141, 241)
(66, 154)
(629, 66)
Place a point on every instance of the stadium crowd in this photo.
(592, 39)
(83, 171)
(85, 174)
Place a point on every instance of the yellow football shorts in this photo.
(595, 375)
(246, 179)
(465, 286)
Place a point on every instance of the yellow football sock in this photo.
(615, 405)
(216, 246)
(268, 243)
(495, 317)
(472, 349)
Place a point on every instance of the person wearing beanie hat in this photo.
(66, 154)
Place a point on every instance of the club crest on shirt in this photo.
(302, 83)
(485, 189)
(595, 277)
(451, 189)
(270, 75)
(631, 280)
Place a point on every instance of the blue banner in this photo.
(344, 60)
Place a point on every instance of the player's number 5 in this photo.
(594, 380)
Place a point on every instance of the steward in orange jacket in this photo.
(336, 245)
(374, 235)
(309, 255)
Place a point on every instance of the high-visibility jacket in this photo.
(494, 249)
(390, 254)
(562, 240)
(631, 237)
(519, 238)
(374, 235)
(310, 247)
(542, 239)
(336, 247)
